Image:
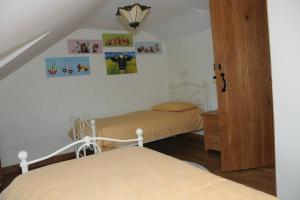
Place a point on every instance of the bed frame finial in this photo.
(23, 155)
(93, 126)
(139, 133)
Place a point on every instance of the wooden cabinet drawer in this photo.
(211, 130)
(212, 125)
(212, 142)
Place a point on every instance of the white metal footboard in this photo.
(87, 141)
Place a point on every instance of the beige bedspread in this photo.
(156, 125)
(128, 173)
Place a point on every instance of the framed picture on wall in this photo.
(84, 46)
(120, 63)
(67, 66)
(148, 47)
(117, 40)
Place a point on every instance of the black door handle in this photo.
(224, 82)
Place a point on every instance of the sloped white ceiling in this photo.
(169, 19)
(23, 21)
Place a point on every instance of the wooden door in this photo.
(243, 71)
(1, 175)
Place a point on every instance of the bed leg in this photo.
(139, 133)
(23, 155)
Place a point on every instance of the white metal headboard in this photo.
(190, 92)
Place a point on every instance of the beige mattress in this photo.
(156, 125)
(128, 173)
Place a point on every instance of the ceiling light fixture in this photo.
(133, 14)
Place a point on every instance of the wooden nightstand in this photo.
(211, 131)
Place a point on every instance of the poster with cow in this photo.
(85, 46)
(67, 66)
(120, 63)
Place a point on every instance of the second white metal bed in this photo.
(185, 91)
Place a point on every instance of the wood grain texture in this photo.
(211, 130)
(212, 142)
(246, 108)
(1, 174)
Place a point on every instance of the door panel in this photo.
(240, 34)
(1, 175)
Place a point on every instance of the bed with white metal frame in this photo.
(184, 91)
(135, 173)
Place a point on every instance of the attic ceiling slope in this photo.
(58, 17)
(22, 20)
(185, 24)
(20, 50)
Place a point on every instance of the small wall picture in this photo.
(67, 66)
(120, 63)
(148, 47)
(117, 40)
(85, 46)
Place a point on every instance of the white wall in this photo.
(193, 54)
(285, 42)
(35, 110)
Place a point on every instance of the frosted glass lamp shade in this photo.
(133, 14)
